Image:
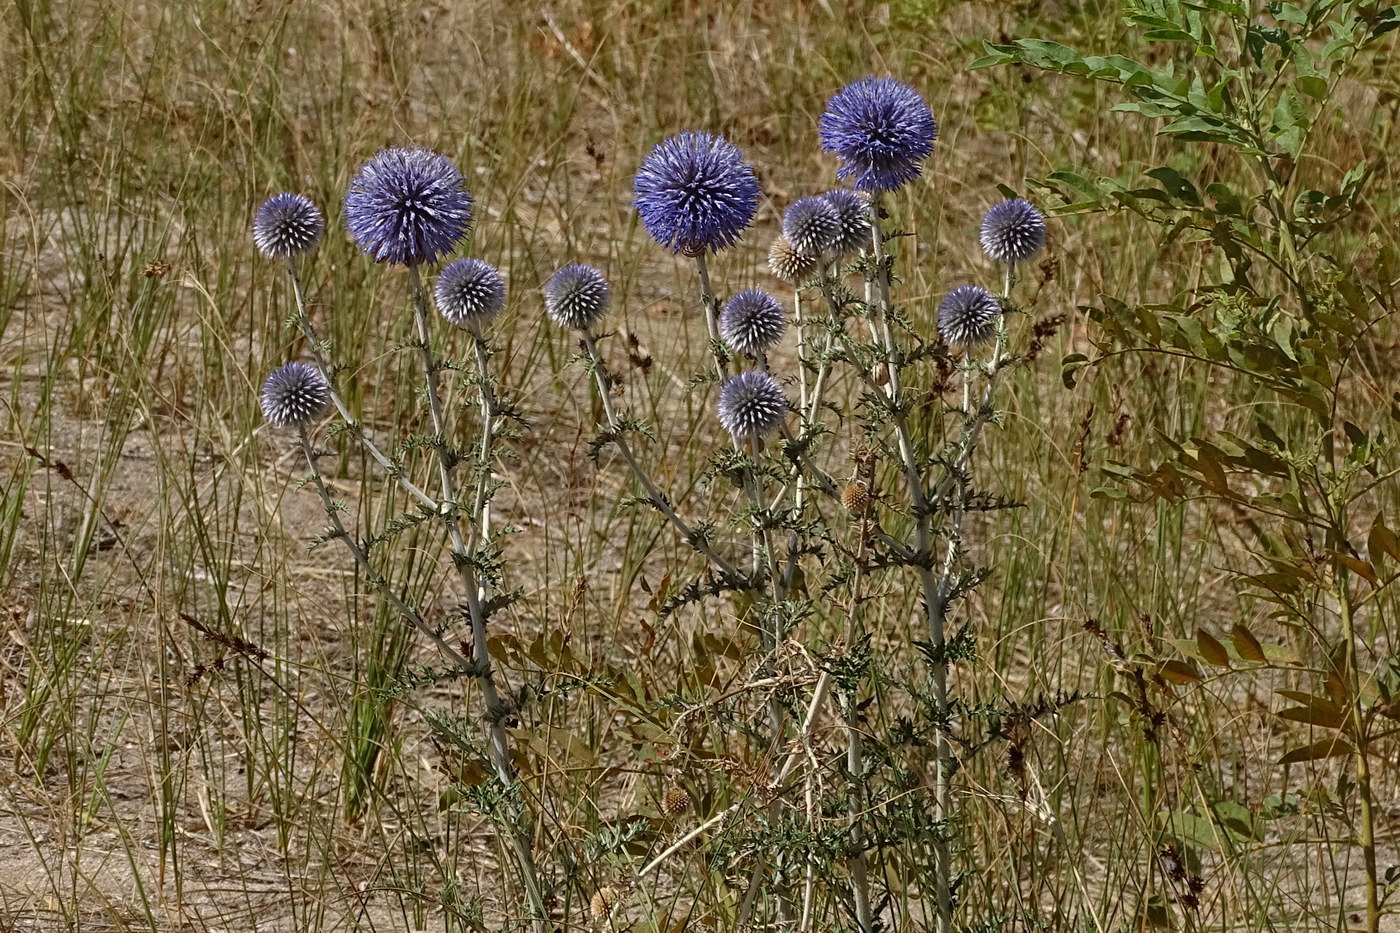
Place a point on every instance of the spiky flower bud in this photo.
(577, 296)
(881, 130)
(287, 225)
(812, 226)
(294, 394)
(470, 293)
(695, 192)
(968, 315)
(675, 802)
(853, 211)
(791, 266)
(752, 405)
(1013, 231)
(408, 206)
(751, 322)
(856, 497)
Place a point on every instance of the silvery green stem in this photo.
(801, 323)
(474, 590)
(351, 423)
(943, 898)
(604, 385)
(711, 303)
(481, 509)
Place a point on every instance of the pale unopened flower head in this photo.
(1013, 231)
(881, 130)
(695, 193)
(853, 212)
(294, 394)
(470, 293)
(752, 322)
(577, 296)
(791, 266)
(408, 206)
(968, 315)
(287, 225)
(811, 225)
(752, 405)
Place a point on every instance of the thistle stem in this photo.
(711, 304)
(352, 424)
(475, 591)
(603, 381)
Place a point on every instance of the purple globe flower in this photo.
(752, 322)
(1013, 231)
(968, 315)
(287, 225)
(854, 214)
(752, 405)
(294, 394)
(812, 225)
(695, 193)
(576, 296)
(407, 206)
(881, 130)
(470, 293)
(789, 265)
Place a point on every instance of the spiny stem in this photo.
(604, 385)
(711, 303)
(475, 591)
(351, 423)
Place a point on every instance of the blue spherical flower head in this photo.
(695, 193)
(294, 394)
(752, 405)
(407, 206)
(968, 315)
(812, 225)
(854, 215)
(287, 225)
(1013, 231)
(577, 296)
(752, 322)
(470, 293)
(881, 130)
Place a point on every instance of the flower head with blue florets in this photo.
(294, 394)
(695, 193)
(1013, 231)
(881, 130)
(470, 293)
(752, 405)
(577, 296)
(287, 225)
(408, 206)
(752, 322)
(968, 315)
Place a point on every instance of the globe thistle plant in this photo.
(470, 293)
(752, 322)
(812, 226)
(853, 212)
(791, 266)
(1013, 231)
(752, 405)
(881, 130)
(577, 296)
(294, 395)
(287, 225)
(968, 315)
(695, 193)
(408, 206)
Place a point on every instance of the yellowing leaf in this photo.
(1327, 748)
(1179, 672)
(1246, 645)
(1211, 649)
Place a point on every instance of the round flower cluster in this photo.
(294, 394)
(287, 225)
(695, 193)
(881, 130)
(752, 322)
(1013, 231)
(408, 206)
(577, 296)
(968, 315)
(470, 293)
(752, 405)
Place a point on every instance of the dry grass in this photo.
(157, 778)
